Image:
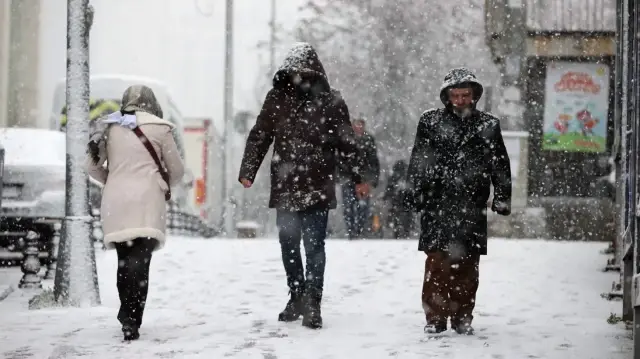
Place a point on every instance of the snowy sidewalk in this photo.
(220, 299)
(9, 280)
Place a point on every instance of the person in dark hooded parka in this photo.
(308, 123)
(458, 153)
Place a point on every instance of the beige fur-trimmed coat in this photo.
(133, 203)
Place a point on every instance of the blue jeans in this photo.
(356, 211)
(310, 226)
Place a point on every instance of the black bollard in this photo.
(31, 263)
(53, 252)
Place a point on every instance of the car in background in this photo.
(34, 182)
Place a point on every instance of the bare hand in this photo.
(362, 190)
(246, 183)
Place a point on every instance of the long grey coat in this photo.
(133, 203)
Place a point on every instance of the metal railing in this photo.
(182, 223)
(179, 223)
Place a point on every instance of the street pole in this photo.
(272, 41)
(226, 219)
(513, 67)
(5, 19)
(620, 156)
(76, 281)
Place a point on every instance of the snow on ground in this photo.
(220, 299)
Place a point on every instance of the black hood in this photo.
(460, 77)
(301, 60)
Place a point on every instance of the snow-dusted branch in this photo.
(388, 58)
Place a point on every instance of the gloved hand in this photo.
(93, 149)
(501, 208)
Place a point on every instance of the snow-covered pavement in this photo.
(220, 299)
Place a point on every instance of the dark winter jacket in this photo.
(310, 130)
(453, 164)
(368, 152)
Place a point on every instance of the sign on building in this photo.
(576, 107)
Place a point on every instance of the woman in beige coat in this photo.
(133, 206)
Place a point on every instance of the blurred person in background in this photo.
(458, 153)
(399, 197)
(357, 210)
(133, 153)
(308, 123)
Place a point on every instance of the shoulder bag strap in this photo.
(147, 144)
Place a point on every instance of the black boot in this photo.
(464, 329)
(462, 326)
(312, 317)
(130, 332)
(435, 328)
(293, 310)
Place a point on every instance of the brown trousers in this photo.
(449, 288)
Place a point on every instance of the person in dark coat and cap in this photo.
(458, 153)
(400, 198)
(308, 123)
(357, 211)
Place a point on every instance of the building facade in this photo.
(557, 57)
(19, 56)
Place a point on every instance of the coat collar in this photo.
(478, 123)
(145, 118)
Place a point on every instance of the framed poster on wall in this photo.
(576, 107)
